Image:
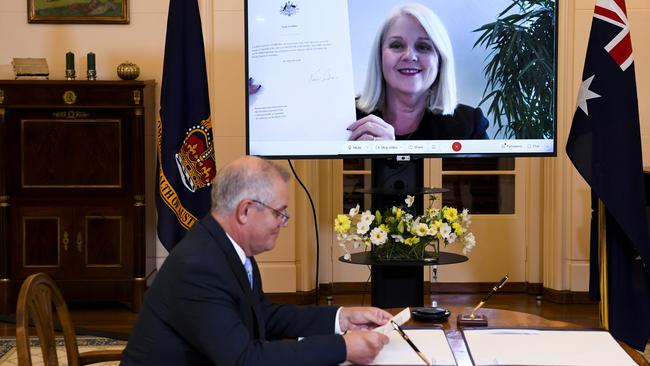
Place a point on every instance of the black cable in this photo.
(313, 211)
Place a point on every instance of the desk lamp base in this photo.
(466, 320)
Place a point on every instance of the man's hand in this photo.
(357, 318)
(363, 346)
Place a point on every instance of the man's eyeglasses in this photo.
(282, 215)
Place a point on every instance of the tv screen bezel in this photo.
(406, 156)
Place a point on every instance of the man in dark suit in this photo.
(202, 309)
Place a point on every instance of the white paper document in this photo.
(544, 347)
(401, 318)
(432, 342)
(301, 51)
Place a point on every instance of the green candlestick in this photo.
(91, 61)
(69, 61)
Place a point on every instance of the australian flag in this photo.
(604, 144)
(186, 164)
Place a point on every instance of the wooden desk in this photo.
(502, 318)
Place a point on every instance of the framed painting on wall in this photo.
(78, 11)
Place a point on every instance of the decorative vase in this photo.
(401, 252)
(128, 71)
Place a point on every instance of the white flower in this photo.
(398, 238)
(431, 231)
(354, 211)
(347, 256)
(362, 227)
(452, 238)
(420, 229)
(409, 201)
(466, 218)
(445, 230)
(469, 242)
(356, 241)
(367, 217)
(378, 236)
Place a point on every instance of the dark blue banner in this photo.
(186, 164)
(604, 144)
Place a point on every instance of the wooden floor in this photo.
(117, 319)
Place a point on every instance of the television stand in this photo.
(399, 284)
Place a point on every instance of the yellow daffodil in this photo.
(342, 223)
(450, 214)
(412, 241)
(457, 228)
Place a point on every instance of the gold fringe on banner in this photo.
(602, 258)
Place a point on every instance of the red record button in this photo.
(456, 146)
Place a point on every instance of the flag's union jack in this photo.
(620, 48)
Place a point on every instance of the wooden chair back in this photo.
(40, 300)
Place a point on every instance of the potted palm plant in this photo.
(520, 69)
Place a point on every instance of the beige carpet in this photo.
(9, 356)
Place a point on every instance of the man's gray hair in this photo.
(442, 94)
(251, 178)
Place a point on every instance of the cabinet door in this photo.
(103, 241)
(71, 153)
(42, 240)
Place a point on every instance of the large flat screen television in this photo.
(309, 76)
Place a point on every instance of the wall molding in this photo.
(566, 296)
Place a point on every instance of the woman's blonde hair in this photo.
(442, 93)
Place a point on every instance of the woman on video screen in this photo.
(410, 89)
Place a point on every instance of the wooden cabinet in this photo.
(75, 158)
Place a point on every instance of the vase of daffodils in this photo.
(398, 234)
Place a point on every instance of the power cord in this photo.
(313, 210)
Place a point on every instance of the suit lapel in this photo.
(253, 295)
(257, 294)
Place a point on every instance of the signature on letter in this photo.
(322, 75)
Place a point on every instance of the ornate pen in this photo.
(494, 289)
(408, 340)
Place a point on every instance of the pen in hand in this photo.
(494, 289)
(408, 340)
